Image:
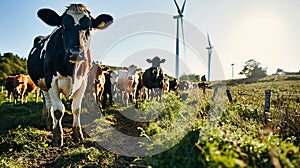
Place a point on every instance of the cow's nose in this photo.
(130, 78)
(76, 55)
(75, 51)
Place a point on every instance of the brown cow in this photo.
(96, 81)
(166, 84)
(127, 83)
(23, 86)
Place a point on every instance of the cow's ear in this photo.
(149, 60)
(163, 61)
(50, 17)
(102, 21)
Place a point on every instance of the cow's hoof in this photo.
(77, 134)
(57, 140)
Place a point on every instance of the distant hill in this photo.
(269, 78)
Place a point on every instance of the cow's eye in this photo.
(67, 22)
(85, 23)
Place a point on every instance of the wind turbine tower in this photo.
(178, 17)
(209, 49)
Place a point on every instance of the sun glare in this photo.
(262, 31)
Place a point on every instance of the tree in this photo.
(279, 71)
(11, 64)
(190, 77)
(252, 69)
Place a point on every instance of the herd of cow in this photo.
(129, 84)
(126, 85)
(60, 63)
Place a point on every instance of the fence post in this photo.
(229, 95)
(215, 92)
(267, 105)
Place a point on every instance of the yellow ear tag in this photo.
(101, 25)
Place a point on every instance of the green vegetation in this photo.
(218, 134)
(11, 64)
(252, 69)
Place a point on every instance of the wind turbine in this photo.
(179, 16)
(209, 49)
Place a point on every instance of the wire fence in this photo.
(268, 97)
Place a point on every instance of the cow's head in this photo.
(101, 70)
(132, 69)
(113, 77)
(156, 61)
(75, 26)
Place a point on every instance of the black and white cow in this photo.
(153, 78)
(59, 63)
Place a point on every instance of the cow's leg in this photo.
(57, 112)
(126, 98)
(104, 100)
(22, 96)
(122, 96)
(152, 93)
(76, 109)
(16, 95)
(46, 110)
(9, 96)
(26, 97)
(159, 92)
(110, 94)
(99, 99)
(134, 97)
(37, 94)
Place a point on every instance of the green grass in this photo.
(230, 135)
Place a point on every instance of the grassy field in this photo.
(202, 132)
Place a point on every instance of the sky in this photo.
(265, 30)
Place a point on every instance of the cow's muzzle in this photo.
(130, 78)
(76, 55)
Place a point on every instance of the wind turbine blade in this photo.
(182, 9)
(178, 10)
(209, 43)
(184, 48)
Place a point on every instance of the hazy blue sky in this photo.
(265, 30)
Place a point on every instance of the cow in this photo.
(184, 85)
(203, 86)
(109, 88)
(140, 90)
(10, 87)
(153, 78)
(59, 63)
(20, 85)
(127, 82)
(23, 86)
(173, 85)
(96, 81)
(166, 84)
